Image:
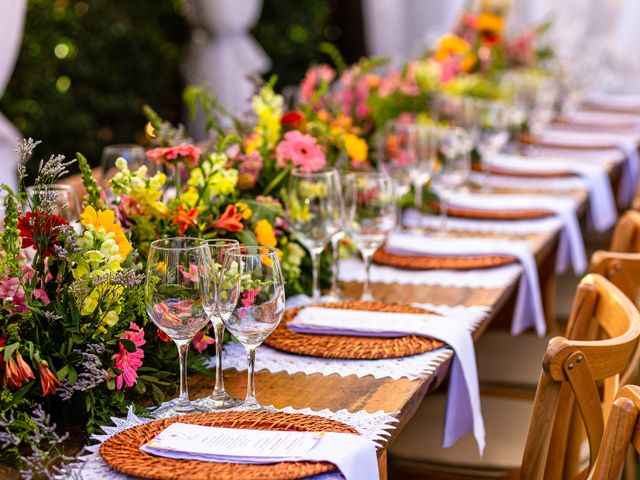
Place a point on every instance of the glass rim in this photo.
(236, 251)
(121, 146)
(369, 174)
(214, 242)
(156, 244)
(51, 186)
(324, 172)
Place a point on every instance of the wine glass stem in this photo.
(444, 207)
(417, 186)
(366, 288)
(183, 348)
(315, 264)
(335, 252)
(218, 390)
(251, 386)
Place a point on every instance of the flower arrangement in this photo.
(73, 328)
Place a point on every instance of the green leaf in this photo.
(128, 345)
(63, 372)
(247, 237)
(72, 376)
(156, 395)
(111, 384)
(9, 349)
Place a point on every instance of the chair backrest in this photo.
(626, 235)
(581, 370)
(621, 431)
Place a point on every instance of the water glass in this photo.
(252, 288)
(178, 280)
(61, 199)
(370, 215)
(314, 213)
(133, 154)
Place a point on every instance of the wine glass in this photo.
(62, 199)
(370, 215)
(407, 155)
(133, 154)
(178, 280)
(252, 287)
(216, 311)
(453, 167)
(314, 213)
(490, 121)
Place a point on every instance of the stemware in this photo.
(314, 213)
(453, 167)
(252, 288)
(61, 198)
(178, 279)
(407, 155)
(217, 309)
(133, 154)
(370, 215)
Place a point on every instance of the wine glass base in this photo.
(367, 297)
(218, 402)
(173, 409)
(332, 297)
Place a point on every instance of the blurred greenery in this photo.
(85, 69)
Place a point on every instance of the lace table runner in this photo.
(374, 426)
(412, 367)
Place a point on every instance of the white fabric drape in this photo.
(12, 13)
(222, 52)
(401, 29)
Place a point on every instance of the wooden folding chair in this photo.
(580, 376)
(621, 432)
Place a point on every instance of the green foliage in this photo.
(93, 190)
(291, 31)
(86, 68)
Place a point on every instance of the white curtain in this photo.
(223, 53)
(402, 29)
(12, 13)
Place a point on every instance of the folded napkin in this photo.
(628, 144)
(614, 101)
(529, 311)
(464, 413)
(602, 208)
(571, 245)
(354, 455)
(603, 119)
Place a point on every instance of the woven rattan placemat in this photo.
(434, 262)
(122, 451)
(350, 347)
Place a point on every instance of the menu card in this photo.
(354, 455)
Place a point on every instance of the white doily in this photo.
(374, 426)
(413, 367)
(352, 270)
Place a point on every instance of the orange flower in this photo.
(185, 218)
(230, 220)
(17, 372)
(48, 380)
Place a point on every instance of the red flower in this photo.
(48, 380)
(17, 372)
(292, 119)
(230, 220)
(40, 230)
(185, 218)
(201, 341)
(163, 337)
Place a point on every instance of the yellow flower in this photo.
(252, 143)
(488, 22)
(468, 62)
(450, 45)
(244, 209)
(105, 219)
(356, 147)
(264, 234)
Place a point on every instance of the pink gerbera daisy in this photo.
(302, 150)
(129, 362)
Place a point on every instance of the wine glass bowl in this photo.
(62, 199)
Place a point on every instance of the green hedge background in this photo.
(86, 67)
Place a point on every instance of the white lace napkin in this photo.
(628, 144)
(374, 426)
(463, 404)
(529, 311)
(602, 209)
(571, 246)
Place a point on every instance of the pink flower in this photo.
(249, 167)
(201, 341)
(12, 291)
(302, 150)
(313, 79)
(184, 152)
(249, 296)
(127, 361)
